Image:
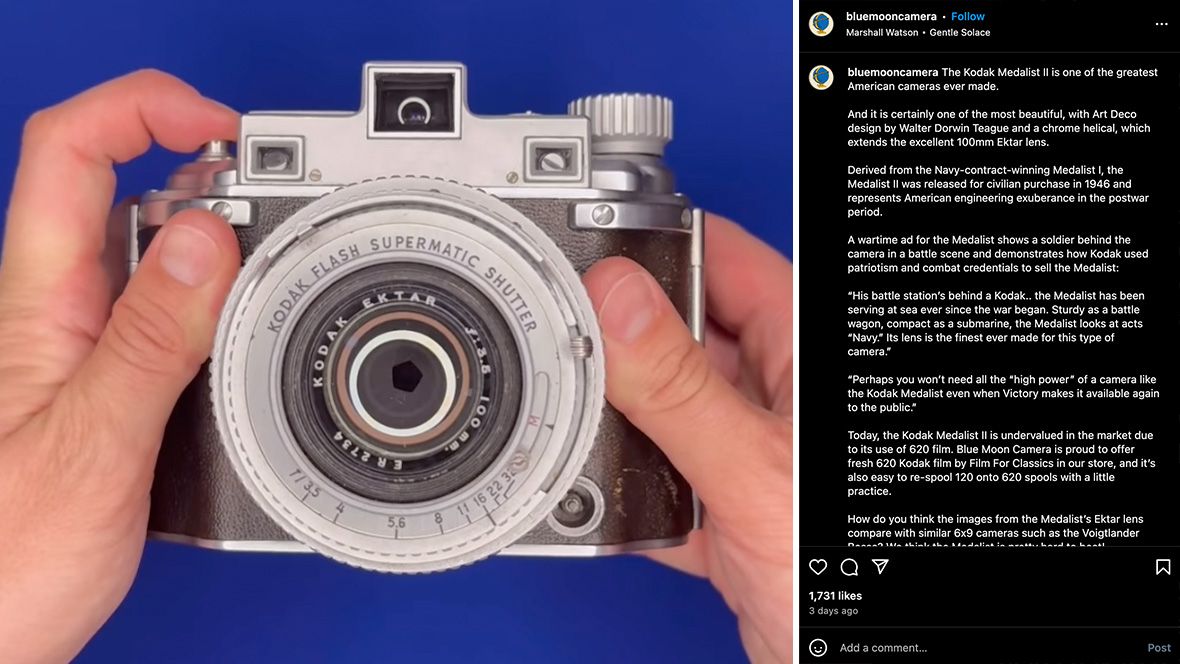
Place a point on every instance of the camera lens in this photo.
(406, 382)
(399, 376)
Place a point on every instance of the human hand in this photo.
(86, 388)
(722, 414)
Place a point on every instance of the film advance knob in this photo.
(627, 123)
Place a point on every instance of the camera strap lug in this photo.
(696, 315)
(132, 238)
(696, 264)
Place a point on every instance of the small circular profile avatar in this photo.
(821, 77)
(821, 24)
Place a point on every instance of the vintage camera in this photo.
(407, 375)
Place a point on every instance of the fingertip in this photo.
(152, 76)
(179, 117)
(183, 123)
(212, 225)
(226, 120)
(627, 299)
(197, 247)
(603, 275)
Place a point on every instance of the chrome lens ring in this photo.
(516, 266)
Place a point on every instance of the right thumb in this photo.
(160, 331)
(661, 380)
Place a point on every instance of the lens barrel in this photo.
(397, 379)
(404, 382)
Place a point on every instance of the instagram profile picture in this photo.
(821, 24)
(820, 77)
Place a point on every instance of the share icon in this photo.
(880, 563)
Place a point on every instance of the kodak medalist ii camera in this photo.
(408, 375)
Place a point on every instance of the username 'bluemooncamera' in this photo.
(407, 375)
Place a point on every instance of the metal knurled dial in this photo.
(627, 123)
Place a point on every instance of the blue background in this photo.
(726, 65)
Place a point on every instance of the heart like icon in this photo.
(818, 565)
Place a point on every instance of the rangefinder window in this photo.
(414, 102)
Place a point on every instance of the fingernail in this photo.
(629, 307)
(188, 255)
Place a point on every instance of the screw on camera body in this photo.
(603, 215)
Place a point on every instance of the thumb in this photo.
(662, 381)
(159, 334)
